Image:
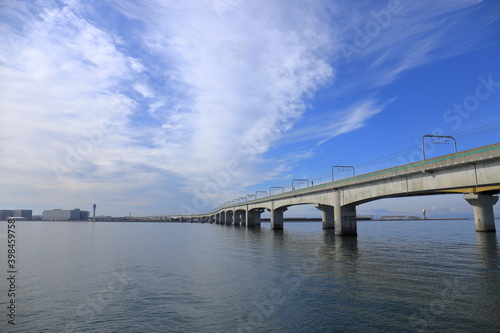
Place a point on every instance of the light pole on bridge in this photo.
(299, 181)
(260, 192)
(343, 167)
(437, 136)
(276, 188)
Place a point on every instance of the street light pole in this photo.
(260, 192)
(299, 180)
(276, 187)
(437, 136)
(344, 167)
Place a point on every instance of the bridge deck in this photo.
(481, 154)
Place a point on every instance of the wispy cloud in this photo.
(62, 78)
(380, 44)
(232, 78)
(336, 122)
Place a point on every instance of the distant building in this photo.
(5, 214)
(84, 215)
(64, 214)
(393, 217)
(24, 213)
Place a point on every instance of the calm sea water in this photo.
(432, 276)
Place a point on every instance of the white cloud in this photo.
(336, 123)
(61, 80)
(418, 33)
(242, 76)
(144, 90)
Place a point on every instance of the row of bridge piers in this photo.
(342, 218)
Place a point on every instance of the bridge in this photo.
(474, 173)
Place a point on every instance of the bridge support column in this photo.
(483, 210)
(345, 217)
(237, 217)
(222, 218)
(277, 218)
(217, 218)
(229, 217)
(327, 216)
(243, 217)
(253, 218)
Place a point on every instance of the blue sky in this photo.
(159, 107)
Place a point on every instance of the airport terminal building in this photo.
(26, 214)
(64, 214)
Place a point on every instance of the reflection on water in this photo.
(432, 276)
(487, 245)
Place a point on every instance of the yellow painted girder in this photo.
(473, 189)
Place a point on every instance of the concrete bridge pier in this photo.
(327, 216)
(253, 218)
(239, 217)
(217, 218)
(222, 218)
(344, 216)
(229, 217)
(345, 220)
(243, 217)
(483, 210)
(277, 218)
